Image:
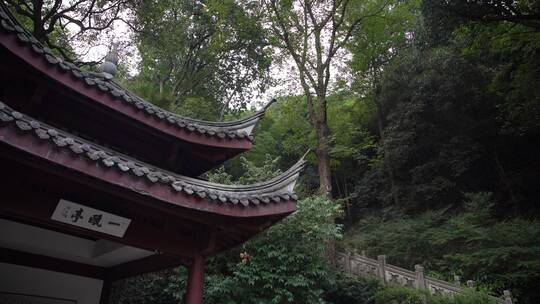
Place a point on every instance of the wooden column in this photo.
(195, 283)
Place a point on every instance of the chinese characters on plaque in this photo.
(90, 218)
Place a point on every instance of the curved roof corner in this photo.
(84, 82)
(274, 196)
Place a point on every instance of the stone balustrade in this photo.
(361, 265)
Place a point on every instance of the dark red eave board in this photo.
(162, 192)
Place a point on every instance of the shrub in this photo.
(351, 290)
(399, 295)
(287, 262)
(472, 297)
(497, 254)
(405, 295)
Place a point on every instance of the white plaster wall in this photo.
(26, 280)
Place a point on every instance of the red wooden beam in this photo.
(141, 266)
(148, 264)
(21, 258)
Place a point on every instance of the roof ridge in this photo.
(276, 189)
(241, 128)
(232, 123)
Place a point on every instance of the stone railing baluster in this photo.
(420, 277)
(507, 297)
(381, 271)
(457, 280)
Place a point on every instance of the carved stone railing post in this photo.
(382, 264)
(507, 297)
(350, 262)
(347, 263)
(420, 277)
(354, 262)
(457, 280)
(470, 283)
(363, 253)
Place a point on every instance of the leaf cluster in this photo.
(199, 53)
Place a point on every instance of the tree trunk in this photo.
(224, 107)
(381, 121)
(390, 170)
(323, 158)
(161, 85)
(505, 180)
(38, 30)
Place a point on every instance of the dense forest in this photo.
(423, 118)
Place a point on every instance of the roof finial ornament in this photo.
(305, 154)
(269, 104)
(109, 65)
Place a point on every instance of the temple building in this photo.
(99, 185)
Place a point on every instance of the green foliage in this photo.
(399, 295)
(468, 297)
(498, 254)
(356, 290)
(429, 143)
(447, 120)
(443, 17)
(196, 107)
(286, 263)
(351, 290)
(434, 152)
(285, 131)
(144, 289)
(451, 188)
(199, 57)
(513, 52)
(404, 295)
(253, 174)
(220, 176)
(379, 42)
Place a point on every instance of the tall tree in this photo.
(522, 12)
(313, 34)
(373, 48)
(209, 50)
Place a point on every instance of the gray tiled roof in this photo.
(233, 129)
(275, 190)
